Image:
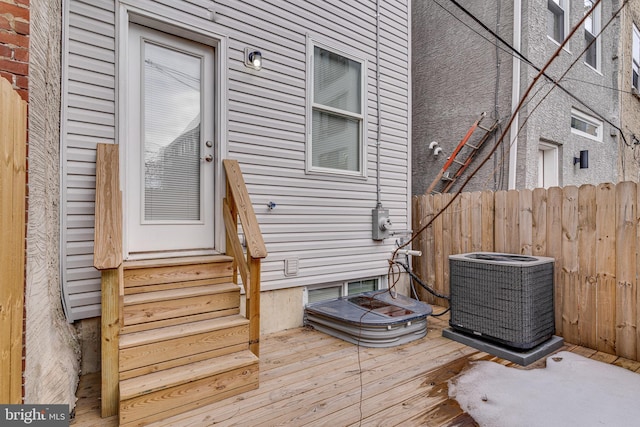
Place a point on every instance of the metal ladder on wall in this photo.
(450, 177)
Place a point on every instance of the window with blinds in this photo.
(337, 118)
(171, 134)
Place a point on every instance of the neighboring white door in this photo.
(169, 188)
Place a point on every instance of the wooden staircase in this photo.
(173, 337)
(183, 342)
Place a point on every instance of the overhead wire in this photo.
(534, 66)
(526, 94)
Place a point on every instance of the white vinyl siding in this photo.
(89, 118)
(323, 220)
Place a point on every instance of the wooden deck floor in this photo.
(309, 378)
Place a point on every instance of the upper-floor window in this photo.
(585, 125)
(636, 57)
(591, 30)
(557, 19)
(337, 122)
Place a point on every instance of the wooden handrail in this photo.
(237, 204)
(107, 253)
(238, 189)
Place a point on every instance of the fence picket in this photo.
(587, 266)
(13, 130)
(539, 221)
(570, 278)
(488, 221)
(512, 216)
(554, 248)
(525, 222)
(626, 300)
(606, 267)
(500, 226)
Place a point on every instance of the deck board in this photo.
(310, 378)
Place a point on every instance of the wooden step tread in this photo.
(182, 330)
(166, 262)
(155, 381)
(184, 291)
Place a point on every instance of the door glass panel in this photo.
(171, 134)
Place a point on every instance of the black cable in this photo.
(421, 283)
(535, 67)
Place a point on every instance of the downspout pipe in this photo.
(515, 93)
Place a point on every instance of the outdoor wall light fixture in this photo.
(583, 160)
(253, 58)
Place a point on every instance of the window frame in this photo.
(381, 284)
(312, 43)
(548, 165)
(564, 6)
(599, 124)
(635, 57)
(596, 23)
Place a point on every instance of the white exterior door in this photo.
(169, 176)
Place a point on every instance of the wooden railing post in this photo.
(253, 306)
(107, 257)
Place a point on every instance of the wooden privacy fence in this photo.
(593, 233)
(13, 134)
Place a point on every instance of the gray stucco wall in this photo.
(457, 80)
(630, 104)
(457, 74)
(52, 351)
(550, 121)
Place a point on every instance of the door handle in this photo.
(208, 158)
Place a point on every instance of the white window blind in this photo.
(337, 117)
(171, 133)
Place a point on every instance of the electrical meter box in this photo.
(381, 223)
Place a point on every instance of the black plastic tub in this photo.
(371, 319)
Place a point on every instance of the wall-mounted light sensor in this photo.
(253, 58)
(583, 160)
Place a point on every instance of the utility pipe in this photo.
(379, 130)
(515, 94)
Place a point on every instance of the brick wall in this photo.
(14, 44)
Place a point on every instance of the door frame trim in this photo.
(191, 30)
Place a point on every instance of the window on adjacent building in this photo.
(591, 30)
(548, 170)
(557, 19)
(337, 122)
(585, 125)
(336, 290)
(636, 57)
